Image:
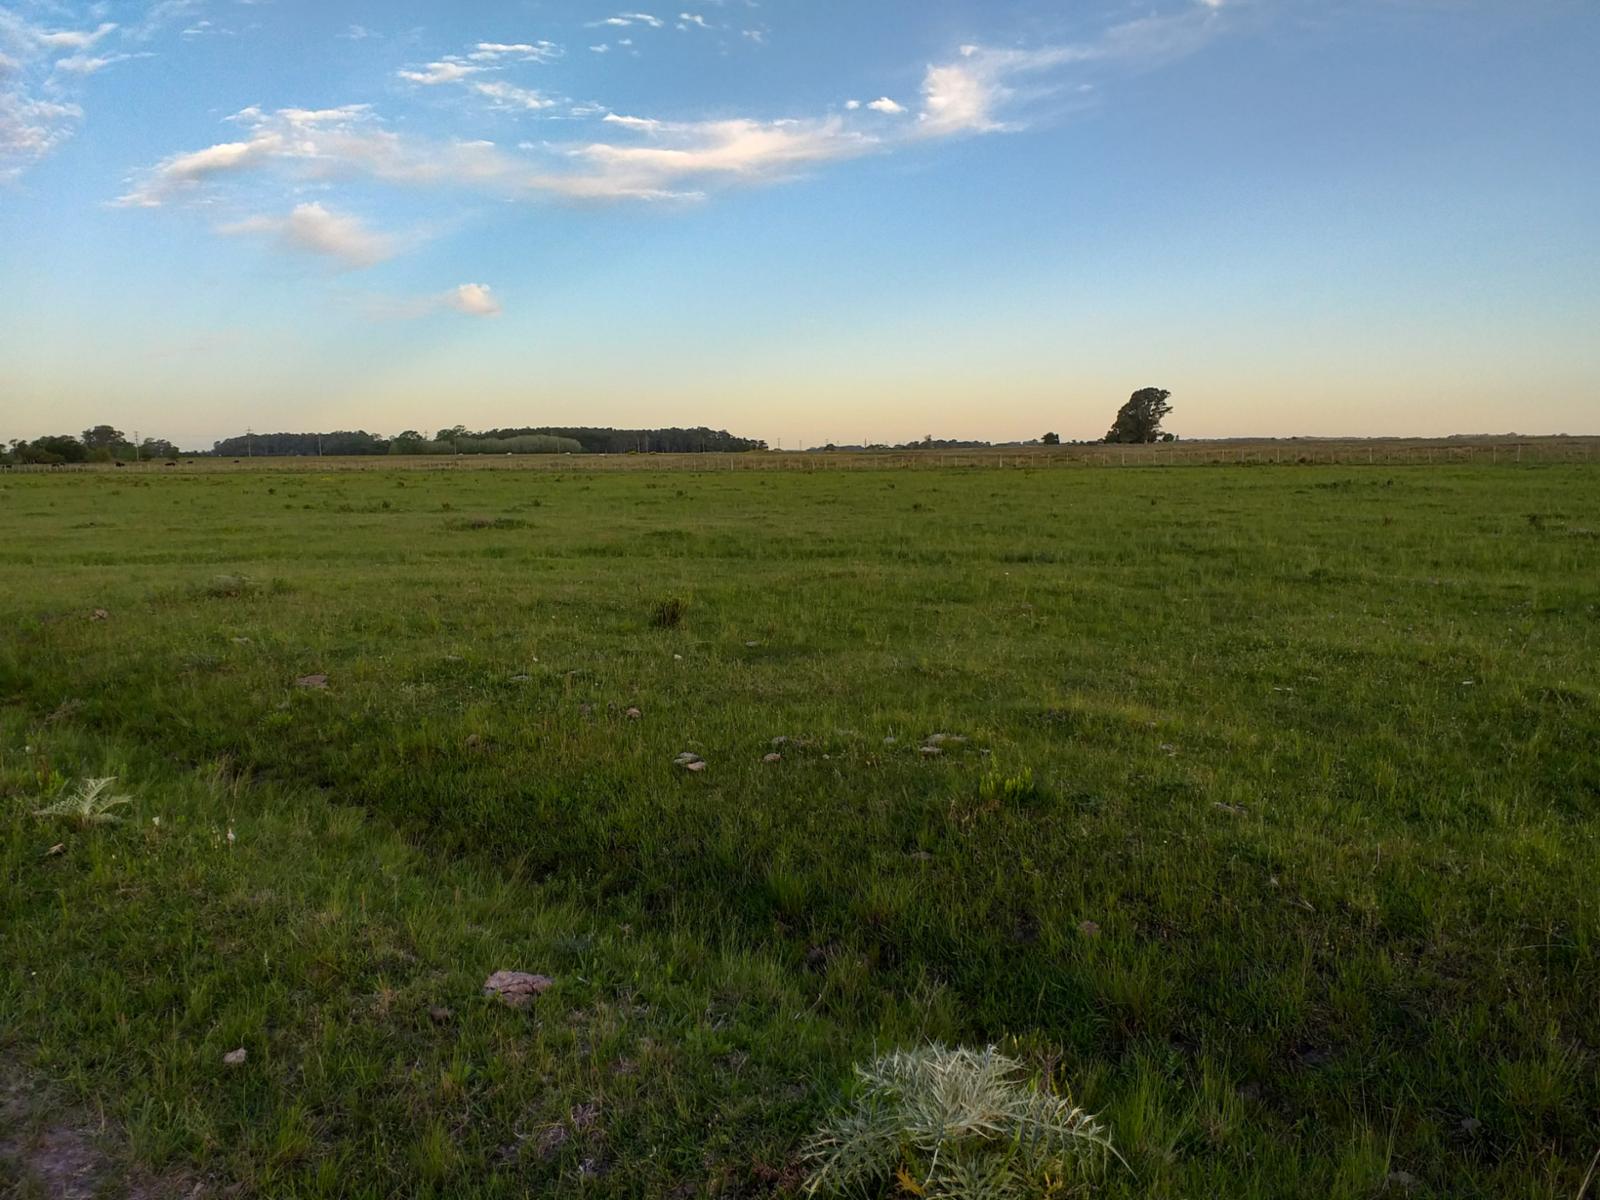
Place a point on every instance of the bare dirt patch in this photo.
(50, 1151)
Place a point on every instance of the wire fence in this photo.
(1503, 452)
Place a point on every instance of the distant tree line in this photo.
(100, 444)
(458, 439)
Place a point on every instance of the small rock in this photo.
(241, 641)
(772, 758)
(439, 1015)
(890, 741)
(694, 766)
(920, 855)
(312, 681)
(58, 848)
(99, 614)
(1404, 1181)
(931, 751)
(515, 988)
(520, 678)
(1237, 810)
(235, 1058)
(751, 645)
(1470, 1125)
(690, 761)
(633, 714)
(1089, 928)
(943, 739)
(677, 658)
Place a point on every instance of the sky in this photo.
(800, 220)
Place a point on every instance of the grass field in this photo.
(1255, 806)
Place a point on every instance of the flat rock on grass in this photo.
(315, 682)
(515, 988)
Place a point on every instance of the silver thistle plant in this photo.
(90, 803)
(954, 1124)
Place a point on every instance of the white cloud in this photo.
(540, 51)
(447, 70)
(329, 144)
(885, 105)
(30, 128)
(510, 96)
(313, 229)
(85, 64)
(956, 98)
(180, 172)
(644, 124)
(852, 105)
(474, 299)
(630, 18)
(74, 39)
(687, 19)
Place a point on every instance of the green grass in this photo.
(1264, 823)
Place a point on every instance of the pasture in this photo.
(1254, 806)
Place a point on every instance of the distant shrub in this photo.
(486, 523)
(668, 613)
(954, 1124)
(225, 587)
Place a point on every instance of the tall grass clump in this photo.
(667, 613)
(954, 1124)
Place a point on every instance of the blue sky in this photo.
(804, 221)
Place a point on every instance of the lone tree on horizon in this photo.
(1139, 420)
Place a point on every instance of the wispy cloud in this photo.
(39, 64)
(620, 157)
(984, 87)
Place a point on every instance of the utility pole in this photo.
(249, 442)
(135, 445)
